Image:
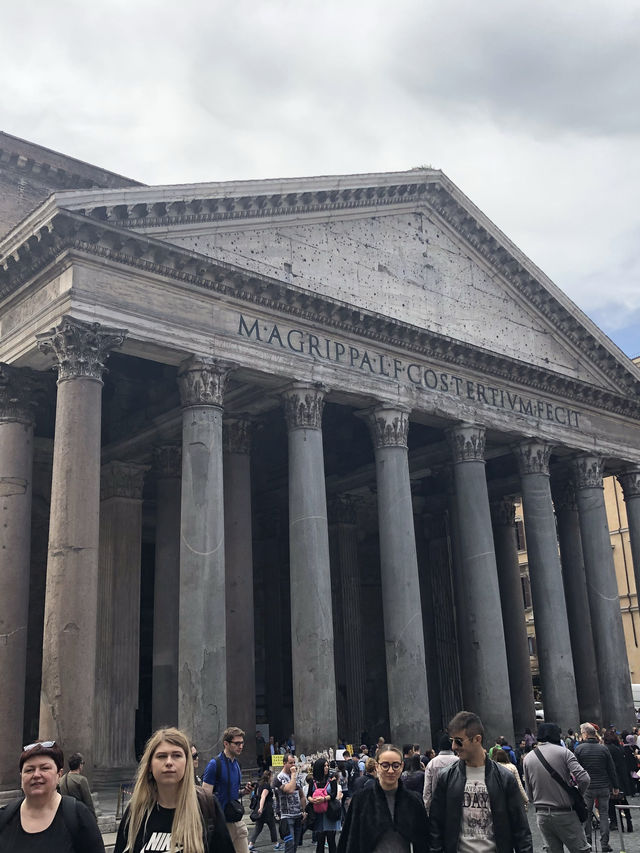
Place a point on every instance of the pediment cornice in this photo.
(73, 232)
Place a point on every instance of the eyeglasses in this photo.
(237, 742)
(45, 744)
(390, 765)
(459, 741)
(194, 755)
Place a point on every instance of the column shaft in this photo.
(118, 649)
(630, 482)
(16, 477)
(69, 656)
(202, 675)
(241, 698)
(404, 638)
(344, 558)
(314, 686)
(547, 590)
(577, 599)
(604, 602)
(485, 656)
(166, 587)
(513, 616)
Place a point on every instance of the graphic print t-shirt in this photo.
(155, 835)
(476, 829)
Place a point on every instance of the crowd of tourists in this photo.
(464, 797)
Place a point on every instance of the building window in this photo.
(522, 543)
(533, 648)
(526, 591)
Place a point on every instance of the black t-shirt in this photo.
(154, 836)
(55, 839)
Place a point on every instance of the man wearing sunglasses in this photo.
(477, 806)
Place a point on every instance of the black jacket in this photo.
(510, 823)
(368, 818)
(597, 761)
(620, 763)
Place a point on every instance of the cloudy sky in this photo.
(533, 109)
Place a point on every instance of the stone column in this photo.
(344, 564)
(630, 482)
(16, 478)
(166, 587)
(314, 684)
(238, 539)
(69, 657)
(604, 601)
(503, 516)
(547, 590)
(202, 672)
(577, 599)
(485, 663)
(404, 638)
(118, 648)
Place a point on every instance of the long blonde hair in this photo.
(187, 827)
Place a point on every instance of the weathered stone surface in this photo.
(16, 478)
(314, 710)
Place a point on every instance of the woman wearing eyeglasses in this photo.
(386, 816)
(167, 811)
(44, 820)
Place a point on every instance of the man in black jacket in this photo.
(476, 805)
(597, 761)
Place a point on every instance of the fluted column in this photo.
(343, 541)
(166, 588)
(547, 590)
(630, 482)
(577, 601)
(202, 673)
(404, 638)
(503, 515)
(69, 656)
(16, 478)
(485, 658)
(241, 698)
(118, 649)
(314, 685)
(604, 601)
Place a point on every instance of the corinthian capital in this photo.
(236, 435)
(202, 381)
(587, 471)
(503, 512)
(388, 425)
(630, 482)
(80, 348)
(16, 395)
(303, 405)
(122, 480)
(533, 457)
(167, 461)
(564, 496)
(467, 442)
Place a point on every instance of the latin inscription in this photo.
(416, 373)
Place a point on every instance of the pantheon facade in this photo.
(260, 443)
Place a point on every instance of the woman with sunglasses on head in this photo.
(44, 821)
(386, 816)
(166, 805)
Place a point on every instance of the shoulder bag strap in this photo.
(553, 773)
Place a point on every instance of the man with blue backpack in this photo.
(223, 777)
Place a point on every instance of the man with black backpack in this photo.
(223, 777)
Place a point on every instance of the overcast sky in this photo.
(531, 108)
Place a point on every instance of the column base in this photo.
(106, 777)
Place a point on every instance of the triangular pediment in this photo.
(408, 246)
